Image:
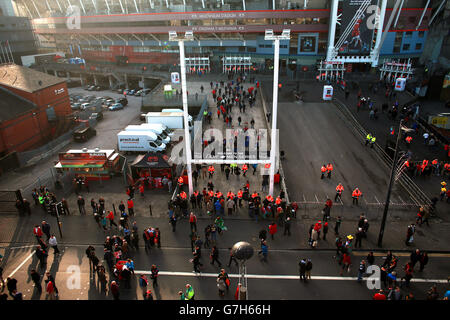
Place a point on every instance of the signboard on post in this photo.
(400, 84)
(327, 93)
(175, 76)
(357, 27)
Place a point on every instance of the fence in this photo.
(31, 157)
(8, 201)
(417, 195)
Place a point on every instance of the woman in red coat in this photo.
(346, 263)
(272, 229)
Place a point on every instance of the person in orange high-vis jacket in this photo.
(339, 190)
(244, 169)
(180, 181)
(329, 169)
(211, 171)
(240, 194)
(323, 170)
(355, 195)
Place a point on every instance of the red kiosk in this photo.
(151, 168)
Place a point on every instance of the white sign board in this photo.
(175, 76)
(400, 84)
(327, 93)
(168, 87)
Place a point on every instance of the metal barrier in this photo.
(417, 195)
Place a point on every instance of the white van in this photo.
(139, 141)
(179, 110)
(173, 120)
(150, 128)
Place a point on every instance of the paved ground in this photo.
(172, 260)
(322, 137)
(278, 276)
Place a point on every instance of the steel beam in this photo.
(437, 11)
(82, 6)
(398, 14)
(123, 39)
(423, 14)
(142, 42)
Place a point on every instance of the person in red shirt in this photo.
(141, 189)
(130, 207)
(272, 229)
(379, 295)
(323, 170)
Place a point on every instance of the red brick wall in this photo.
(24, 132)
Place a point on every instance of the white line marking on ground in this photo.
(20, 265)
(273, 277)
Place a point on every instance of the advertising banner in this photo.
(357, 25)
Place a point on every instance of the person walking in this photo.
(45, 227)
(232, 258)
(196, 261)
(53, 243)
(359, 236)
(361, 270)
(410, 234)
(323, 169)
(423, 260)
(110, 217)
(189, 294)
(302, 269)
(51, 279)
(325, 230)
(143, 282)
(264, 250)
(272, 229)
(130, 204)
(287, 226)
(408, 268)
(221, 285)
(114, 288)
(36, 278)
(214, 256)
(329, 170)
(308, 269)
(339, 190)
(154, 276)
(337, 225)
(193, 222)
(81, 203)
(355, 195)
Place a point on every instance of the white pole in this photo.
(12, 57)
(376, 52)
(187, 136)
(332, 31)
(273, 141)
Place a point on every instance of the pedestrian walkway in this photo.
(235, 182)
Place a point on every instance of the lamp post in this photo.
(242, 251)
(391, 182)
(285, 35)
(189, 36)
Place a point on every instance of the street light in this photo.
(189, 36)
(391, 182)
(242, 251)
(285, 35)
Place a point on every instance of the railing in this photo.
(416, 194)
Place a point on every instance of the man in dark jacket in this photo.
(302, 269)
(36, 279)
(359, 235)
(45, 227)
(415, 257)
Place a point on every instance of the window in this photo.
(408, 34)
(421, 34)
(284, 46)
(418, 46)
(251, 49)
(406, 47)
(267, 46)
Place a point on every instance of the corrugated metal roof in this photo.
(26, 79)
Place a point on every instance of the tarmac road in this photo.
(314, 134)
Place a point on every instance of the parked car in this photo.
(85, 106)
(116, 106)
(97, 116)
(122, 101)
(84, 134)
(90, 98)
(131, 92)
(91, 88)
(75, 106)
(109, 102)
(145, 92)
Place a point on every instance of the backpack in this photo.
(143, 282)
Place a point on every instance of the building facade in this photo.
(136, 31)
(17, 39)
(34, 108)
